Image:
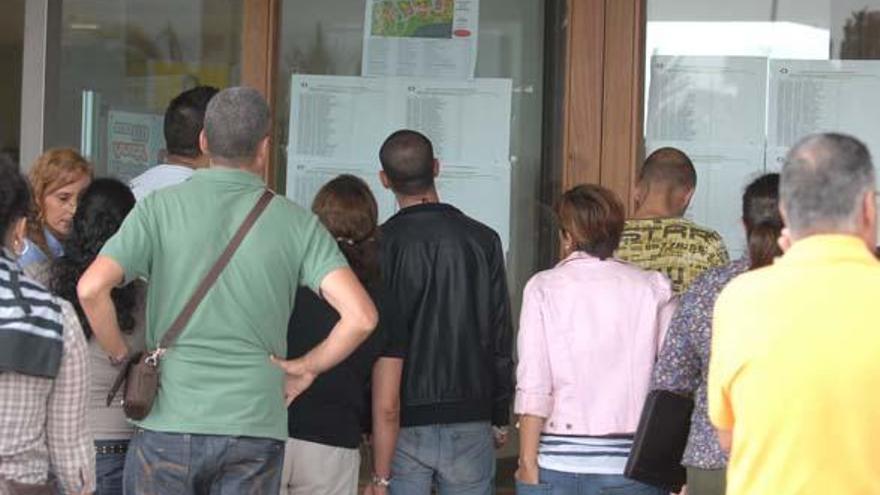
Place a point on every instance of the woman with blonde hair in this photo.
(58, 178)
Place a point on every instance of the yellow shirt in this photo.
(795, 372)
(675, 247)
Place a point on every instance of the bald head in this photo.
(824, 184)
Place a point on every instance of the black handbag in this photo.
(660, 441)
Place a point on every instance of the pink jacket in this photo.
(589, 333)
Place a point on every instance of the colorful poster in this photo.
(134, 142)
(421, 38)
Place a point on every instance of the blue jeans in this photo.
(182, 463)
(459, 458)
(109, 469)
(559, 483)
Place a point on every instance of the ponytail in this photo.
(762, 220)
(763, 245)
(363, 258)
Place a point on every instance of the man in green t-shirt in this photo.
(219, 421)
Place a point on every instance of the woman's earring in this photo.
(20, 247)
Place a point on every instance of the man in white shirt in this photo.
(184, 119)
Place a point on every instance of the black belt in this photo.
(113, 448)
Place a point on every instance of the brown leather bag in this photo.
(141, 371)
(15, 488)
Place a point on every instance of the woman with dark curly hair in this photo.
(102, 208)
(43, 379)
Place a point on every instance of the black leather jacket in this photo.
(445, 274)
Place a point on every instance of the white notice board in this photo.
(713, 109)
(338, 124)
(707, 100)
(809, 96)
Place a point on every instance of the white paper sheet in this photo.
(808, 96)
(482, 193)
(341, 118)
(723, 172)
(339, 124)
(134, 141)
(421, 38)
(719, 100)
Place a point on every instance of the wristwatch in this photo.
(380, 481)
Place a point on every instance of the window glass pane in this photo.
(735, 84)
(11, 47)
(123, 61)
(327, 38)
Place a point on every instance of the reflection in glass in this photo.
(135, 55)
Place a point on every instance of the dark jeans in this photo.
(187, 464)
(559, 483)
(109, 468)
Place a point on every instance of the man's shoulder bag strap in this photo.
(205, 285)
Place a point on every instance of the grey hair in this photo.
(823, 183)
(236, 120)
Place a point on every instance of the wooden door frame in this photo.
(603, 139)
(261, 31)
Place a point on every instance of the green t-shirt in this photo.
(217, 378)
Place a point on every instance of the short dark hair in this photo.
(236, 121)
(824, 178)
(407, 158)
(593, 216)
(184, 120)
(15, 196)
(669, 166)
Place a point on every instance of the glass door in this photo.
(123, 61)
(11, 50)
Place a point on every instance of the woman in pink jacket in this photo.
(589, 333)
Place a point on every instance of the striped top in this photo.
(583, 454)
(31, 331)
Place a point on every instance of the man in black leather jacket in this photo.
(446, 275)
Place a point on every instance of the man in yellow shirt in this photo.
(658, 237)
(795, 368)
